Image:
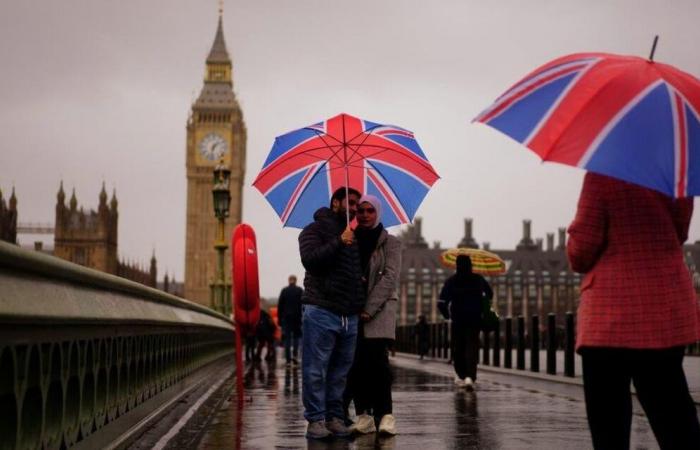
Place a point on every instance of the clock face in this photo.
(213, 146)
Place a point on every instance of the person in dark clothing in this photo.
(422, 335)
(250, 346)
(265, 333)
(289, 314)
(461, 299)
(333, 297)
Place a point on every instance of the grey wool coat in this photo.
(382, 288)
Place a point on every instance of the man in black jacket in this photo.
(289, 313)
(333, 297)
(462, 300)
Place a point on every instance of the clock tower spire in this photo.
(215, 131)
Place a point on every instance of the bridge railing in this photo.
(512, 336)
(497, 347)
(80, 349)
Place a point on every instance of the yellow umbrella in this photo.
(483, 262)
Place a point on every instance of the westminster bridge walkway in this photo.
(88, 360)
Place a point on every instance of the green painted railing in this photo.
(80, 348)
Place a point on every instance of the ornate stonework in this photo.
(90, 238)
(8, 218)
(215, 130)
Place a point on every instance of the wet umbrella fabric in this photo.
(483, 262)
(306, 166)
(621, 116)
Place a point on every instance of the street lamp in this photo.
(221, 194)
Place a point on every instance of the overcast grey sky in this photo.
(97, 90)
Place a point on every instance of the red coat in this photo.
(637, 291)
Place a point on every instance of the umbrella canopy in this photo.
(306, 166)
(622, 116)
(483, 262)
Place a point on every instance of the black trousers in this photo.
(662, 391)
(370, 378)
(465, 345)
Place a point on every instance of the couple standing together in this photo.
(349, 318)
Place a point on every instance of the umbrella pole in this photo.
(347, 197)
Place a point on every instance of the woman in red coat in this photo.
(638, 310)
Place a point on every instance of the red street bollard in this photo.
(246, 290)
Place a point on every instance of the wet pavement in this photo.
(505, 412)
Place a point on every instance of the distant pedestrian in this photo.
(289, 314)
(333, 297)
(265, 334)
(421, 333)
(637, 312)
(461, 299)
(370, 376)
(250, 346)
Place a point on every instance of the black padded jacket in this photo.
(333, 277)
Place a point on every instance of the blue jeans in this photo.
(328, 348)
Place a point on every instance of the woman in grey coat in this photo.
(380, 258)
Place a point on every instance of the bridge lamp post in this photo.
(220, 288)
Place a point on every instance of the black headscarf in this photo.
(367, 241)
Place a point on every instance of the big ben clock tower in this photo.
(215, 131)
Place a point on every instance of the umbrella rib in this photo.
(329, 146)
(294, 207)
(287, 157)
(407, 154)
(357, 151)
(388, 187)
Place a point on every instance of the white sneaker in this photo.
(387, 425)
(459, 382)
(469, 384)
(364, 424)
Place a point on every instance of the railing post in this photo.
(508, 357)
(535, 343)
(497, 345)
(520, 363)
(569, 349)
(551, 344)
(485, 351)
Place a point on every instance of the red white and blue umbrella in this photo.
(306, 166)
(623, 116)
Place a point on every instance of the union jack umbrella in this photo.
(623, 116)
(306, 166)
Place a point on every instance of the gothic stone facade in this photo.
(8, 218)
(215, 131)
(90, 238)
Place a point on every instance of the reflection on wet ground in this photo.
(430, 412)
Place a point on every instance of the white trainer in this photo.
(469, 383)
(387, 425)
(364, 424)
(459, 382)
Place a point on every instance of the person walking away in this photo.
(380, 260)
(461, 299)
(422, 335)
(333, 297)
(637, 312)
(289, 313)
